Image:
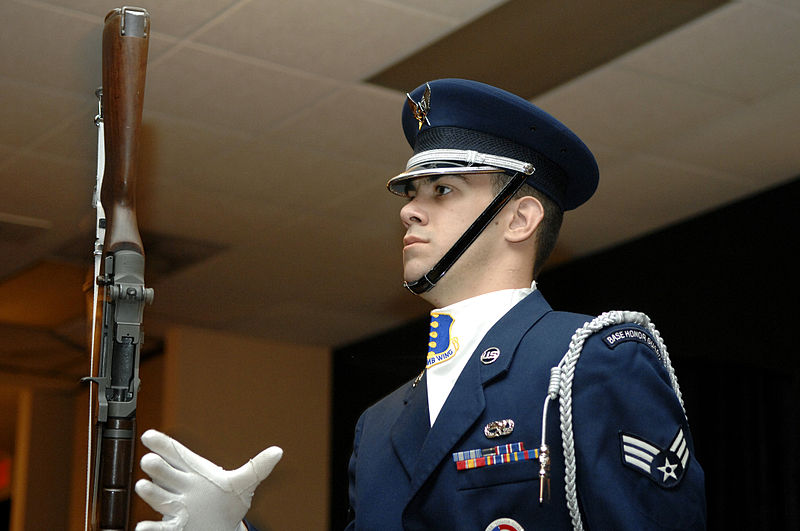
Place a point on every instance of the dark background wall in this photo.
(722, 290)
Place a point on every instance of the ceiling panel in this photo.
(357, 122)
(630, 110)
(346, 40)
(174, 17)
(46, 188)
(21, 102)
(638, 196)
(744, 50)
(227, 92)
(261, 278)
(529, 47)
(668, 190)
(72, 139)
(759, 142)
(460, 10)
(49, 48)
(266, 148)
(182, 208)
(173, 150)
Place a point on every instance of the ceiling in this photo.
(270, 128)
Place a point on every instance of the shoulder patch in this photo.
(631, 333)
(664, 466)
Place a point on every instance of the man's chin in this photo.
(411, 279)
(414, 271)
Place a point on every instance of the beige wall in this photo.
(225, 396)
(229, 397)
(40, 477)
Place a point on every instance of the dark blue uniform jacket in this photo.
(630, 437)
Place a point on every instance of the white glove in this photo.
(193, 493)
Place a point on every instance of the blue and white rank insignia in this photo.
(665, 466)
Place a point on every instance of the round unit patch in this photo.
(504, 524)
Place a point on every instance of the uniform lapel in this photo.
(464, 405)
(412, 425)
(466, 401)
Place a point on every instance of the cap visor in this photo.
(396, 184)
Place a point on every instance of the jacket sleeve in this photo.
(351, 473)
(635, 461)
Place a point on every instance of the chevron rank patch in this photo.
(664, 466)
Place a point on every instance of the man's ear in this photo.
(527, 212)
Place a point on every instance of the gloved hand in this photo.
(193, 493)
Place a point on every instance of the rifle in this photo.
(119, 248)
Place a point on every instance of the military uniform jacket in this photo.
(629, 429)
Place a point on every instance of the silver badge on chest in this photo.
(498, 428)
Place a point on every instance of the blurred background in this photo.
(270, 129)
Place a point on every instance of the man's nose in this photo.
(413, 212)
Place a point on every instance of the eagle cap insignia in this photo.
(421, 108)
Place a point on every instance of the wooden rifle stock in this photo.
(125, 43)
(125, 40)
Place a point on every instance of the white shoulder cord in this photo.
(560, 387)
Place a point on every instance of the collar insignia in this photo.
(664, 466)
(421, 108)
(490, 355)
(418, 378)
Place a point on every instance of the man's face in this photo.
(437, 213)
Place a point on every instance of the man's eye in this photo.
(441, 189)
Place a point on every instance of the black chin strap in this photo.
(429, 280)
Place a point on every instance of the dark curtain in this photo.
(5, 514)
(722, 290)
(744, 420)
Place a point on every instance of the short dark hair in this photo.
(547, 232)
